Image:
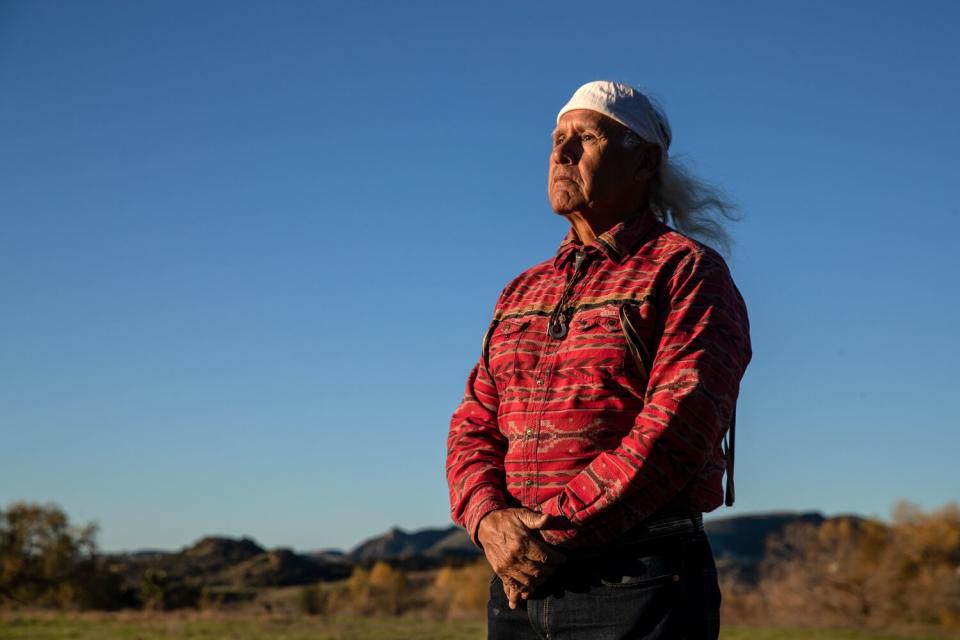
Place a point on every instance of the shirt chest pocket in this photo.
(595, 348)
(506, 349)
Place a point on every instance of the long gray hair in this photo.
(686, 203)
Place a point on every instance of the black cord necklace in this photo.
(560, 318)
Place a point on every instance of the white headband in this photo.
(627, 106)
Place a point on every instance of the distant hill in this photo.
(456, 542)
(398, 544)
(218, 561)
(328, 555)
(738, 542)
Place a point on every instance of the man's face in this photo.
(590, 170)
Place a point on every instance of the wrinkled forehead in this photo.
(582, 119)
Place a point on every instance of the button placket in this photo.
(537, 404)
(544, 374)
(529, 438)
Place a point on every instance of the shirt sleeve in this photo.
(702, 354)
(475, 451)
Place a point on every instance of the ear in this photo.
(648, 162)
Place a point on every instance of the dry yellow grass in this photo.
(248, 626)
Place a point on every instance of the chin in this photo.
(563, 205)
(565, 197)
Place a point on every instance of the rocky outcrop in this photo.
(282, 568)
(398, 544)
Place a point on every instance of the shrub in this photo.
(462, 592)
(314, 600)
(380, 590)
(864, 573)
(160, 593)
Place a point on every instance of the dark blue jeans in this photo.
(662, 589)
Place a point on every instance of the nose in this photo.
(566, 152)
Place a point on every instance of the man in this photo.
(590, 438)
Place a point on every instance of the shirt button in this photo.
(529, 433)
(529, 483)
(539, 382)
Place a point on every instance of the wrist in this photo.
(479, 508)
(484, 524)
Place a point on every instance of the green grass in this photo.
(159, 626)
(814, 634)
(251, 627)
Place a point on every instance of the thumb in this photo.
(532, 519)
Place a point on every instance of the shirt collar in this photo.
(615, 244)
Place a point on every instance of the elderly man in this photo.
(590, 439)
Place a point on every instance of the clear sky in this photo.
(249, 249)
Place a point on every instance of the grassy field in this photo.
(226, 627)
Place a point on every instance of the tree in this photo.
(46, 561)
(865, 573)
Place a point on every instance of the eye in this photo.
(558, 140)
(588, 137)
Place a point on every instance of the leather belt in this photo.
(665, 525)
(654, 528)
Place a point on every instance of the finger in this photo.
(544, 554)
(513, 597)
(532, 519)
(510, 585)
(542, 577)
(530, 571)
(528, 587)
(516, 591)
(533, 547)
(525, 593)
(521, 578)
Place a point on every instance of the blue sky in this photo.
(249, 249)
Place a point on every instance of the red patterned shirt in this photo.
(606, 382)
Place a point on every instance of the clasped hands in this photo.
(516, 552)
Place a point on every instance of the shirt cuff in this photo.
(563, 532)
(552, 507)
(484, 501)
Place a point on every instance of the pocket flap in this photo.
(512, 326)
(606, 319)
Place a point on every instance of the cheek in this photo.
(590, 179)
(600, 180)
